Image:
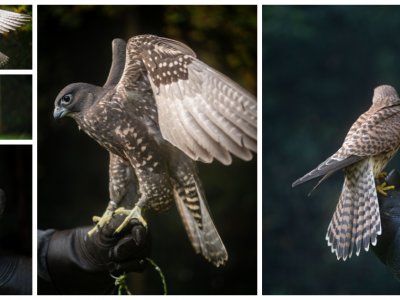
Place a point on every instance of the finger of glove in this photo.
(134, 245)
(108, 230)
(137, 265)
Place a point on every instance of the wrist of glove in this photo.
(388, 246)
(79, 264)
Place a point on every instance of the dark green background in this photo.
(320, 66)
(16, 107)
(74, 45)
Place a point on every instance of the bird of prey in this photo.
(369, 145)
(10, 21)
(160, 110)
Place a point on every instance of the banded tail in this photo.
(356, 222)
(194, 211)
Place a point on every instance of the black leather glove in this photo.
(15, 271)
(79, 264)
(388, 246)
(15, 275)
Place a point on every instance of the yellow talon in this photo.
(135, 213)
(96, 219)
(382, 188)
(101, 221)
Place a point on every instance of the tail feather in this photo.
(356, 221)
(197, 221)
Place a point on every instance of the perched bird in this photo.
(161, 110)
(369, 145)
(10, 21)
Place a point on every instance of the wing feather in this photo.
(330, 165)
(200, 111)
(10, 21)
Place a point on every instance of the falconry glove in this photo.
(15, 271)
(78, 264)
(388, 247)
(15, 275)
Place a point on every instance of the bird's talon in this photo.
(135, 213)
(93, 230)
(96, 219)
(101, 221)
(382, 188)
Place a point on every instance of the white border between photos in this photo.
(33, 142)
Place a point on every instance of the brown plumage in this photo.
(369, 145)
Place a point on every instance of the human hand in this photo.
(388, 246)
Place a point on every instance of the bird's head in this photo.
(74, 98)
(385, 95)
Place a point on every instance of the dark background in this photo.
(15, 107)
(16, 182)
(17, 44)
(320, 66)
(74, 45)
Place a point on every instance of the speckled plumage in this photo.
(160, 109)
(10, 21)
(369, 145)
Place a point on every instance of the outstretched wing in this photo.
(10, 20)
(200, 111)
(118, 62)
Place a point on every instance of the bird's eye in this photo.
(66, 99)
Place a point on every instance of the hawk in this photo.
(10, 21)
(160, 110)
(369, 145)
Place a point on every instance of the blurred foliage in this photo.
(320, 66)
(17, 44)
(74, 45)
(16, 182)
(16, 106)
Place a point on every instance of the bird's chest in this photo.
(123, 129)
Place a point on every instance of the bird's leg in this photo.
(104, 219)
(382, 174)
(135, 213)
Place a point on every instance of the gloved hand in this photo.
(15, 275)
(388, 246)
(79, 264)
(15, 271)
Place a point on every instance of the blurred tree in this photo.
(71, 48)
(320, 66)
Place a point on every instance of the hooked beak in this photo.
(59, 112)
